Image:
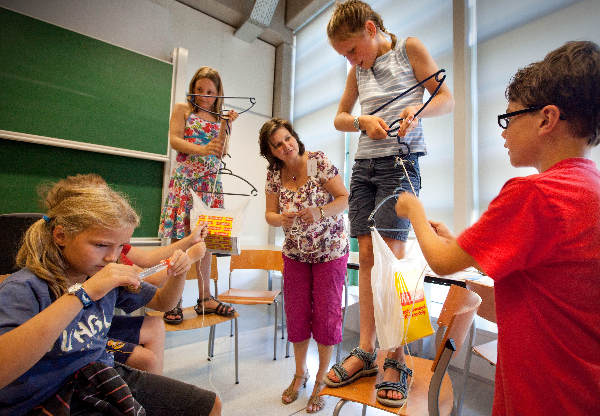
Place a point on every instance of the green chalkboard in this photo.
(61, 84)
(24, 166)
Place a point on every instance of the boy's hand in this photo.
(110, 276)
(406, 201)
(198, 234)
(441, 230)
(179, 264)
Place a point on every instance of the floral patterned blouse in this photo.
(324, 240)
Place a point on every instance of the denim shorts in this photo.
(372, 181)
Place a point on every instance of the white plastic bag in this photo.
(224, 225)
(400, 309)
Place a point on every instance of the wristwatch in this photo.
(356, 123)
(79, 291)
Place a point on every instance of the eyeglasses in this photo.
(504, 119)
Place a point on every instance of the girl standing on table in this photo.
(56, 311)
(382, 67)
(306, 195)
(199, 137)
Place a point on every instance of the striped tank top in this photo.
(390, 75)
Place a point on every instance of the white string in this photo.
(399, 161)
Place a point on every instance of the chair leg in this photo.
(287, 349)
(467, 366)
(282, 315)
(237, 380)
(211, 337)
(275, 331)
(338, 407)
(338, 351)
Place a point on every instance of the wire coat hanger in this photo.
(224, 170)
(439, 80)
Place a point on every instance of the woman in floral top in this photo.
(198, 135)
(306, 196)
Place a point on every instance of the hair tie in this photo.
(46, 218)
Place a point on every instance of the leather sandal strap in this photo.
(340, 371)
(392, 385)
(368, 358)
(397, 365)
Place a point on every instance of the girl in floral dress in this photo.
(306, 195)
(199, 136)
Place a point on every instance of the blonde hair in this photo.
(77, 203)
(349, 18)
(213, 75)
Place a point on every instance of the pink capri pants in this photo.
(313, 299)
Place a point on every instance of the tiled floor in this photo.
(261, 378)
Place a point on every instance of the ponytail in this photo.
(349, 18)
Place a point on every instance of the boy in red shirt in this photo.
(540, 239)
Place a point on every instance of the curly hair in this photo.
(568, 77)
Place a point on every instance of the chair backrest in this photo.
(258, 260)
(487, 309)
(456, 316)
(13, 228)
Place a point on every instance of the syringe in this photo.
(154, 269)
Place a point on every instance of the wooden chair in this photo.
(255, 260)
(191, 320)
(431, 391)
(489, 350)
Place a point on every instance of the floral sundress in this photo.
(324, 240)
(191, 173)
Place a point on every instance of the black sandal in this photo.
(400, 386)
(369, 368)
(222, 309)
(176, 312)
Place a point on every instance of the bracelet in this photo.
(356, 123)
(322, 212)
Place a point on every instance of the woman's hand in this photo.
(110, 276)
(287, 218)
(374, 126)
(409, 121)
(309, 215)
(179, 264)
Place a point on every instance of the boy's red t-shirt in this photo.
(540, 242)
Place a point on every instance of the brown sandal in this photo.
(290, 392)
(177, 314)
(316, 399)
(222, 309)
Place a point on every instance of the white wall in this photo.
(155, 28)
(498, 59)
